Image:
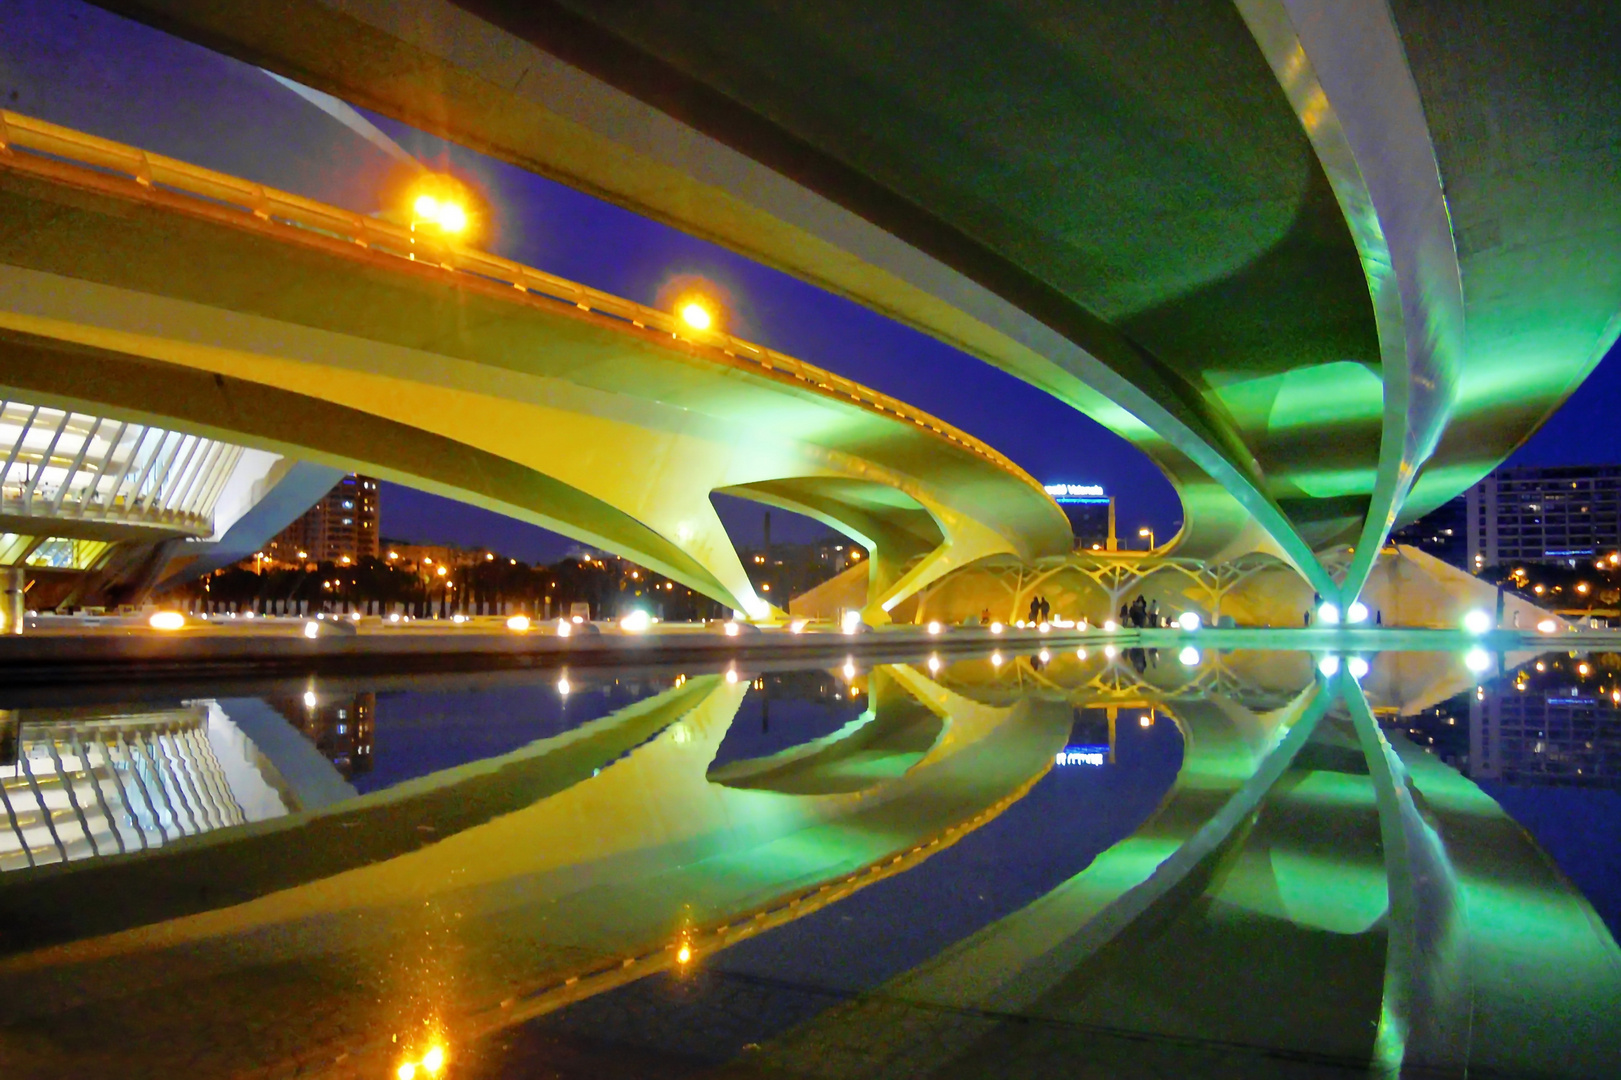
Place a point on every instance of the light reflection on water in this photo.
(613, 864)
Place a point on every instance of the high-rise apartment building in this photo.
(340, 528)
(1569, 514)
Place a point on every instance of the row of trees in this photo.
(610, 587)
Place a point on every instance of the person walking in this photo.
(1035, 608)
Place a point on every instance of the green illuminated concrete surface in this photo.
(1327, 264)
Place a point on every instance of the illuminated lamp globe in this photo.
(1477, 660)
(1357, 612)
(1189, 620)
(518, 624)
(1547, 626)
(1329, 615)
(1189, 657)
(1357, 666)
(637, 622)
(1329, 666)
(166, 620)
(696, 315)
(426, 207)
(1477, 622)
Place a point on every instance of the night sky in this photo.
(77, 65)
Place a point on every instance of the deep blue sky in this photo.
(65, 61)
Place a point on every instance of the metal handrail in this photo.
(154, 173)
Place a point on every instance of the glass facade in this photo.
(68, 465)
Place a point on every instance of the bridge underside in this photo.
(1326, 265)
(602, 428)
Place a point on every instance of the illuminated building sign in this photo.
(1077, 493)
(1083, 755)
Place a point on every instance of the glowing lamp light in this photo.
(309, 699)
(426, 207)
(518, 624)
(1357, 666)
(563, 686)
(458, 618)
(1477, 660)
(934, 628)
(1328, 614)
(849, 668)
(1044, 627)
(731, 675)
(1145, 720)
(996, 628)
(1189, 657)
(452, 218)
(934, 664)
(1110, 626)
(311, 629)
(1477, 622)
(683, 955)
(578, 620)
(996, 659)
(851, 621)
(732, 629)
(434, 1060)
(563, 628)
(1189, 621)
(1044, 656)
(1110, 652)
(166, 620)
(406, 1071)
(1357, 612)
(637, 622)
(1329, 666)
(797, 626)
(1080, 654)
(1547, 626)
(696, 315)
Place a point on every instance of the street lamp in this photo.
(1146, 531)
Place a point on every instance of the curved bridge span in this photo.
(142, 286)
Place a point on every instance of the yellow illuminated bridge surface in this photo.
(136, 285)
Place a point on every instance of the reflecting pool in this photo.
(1031, 863)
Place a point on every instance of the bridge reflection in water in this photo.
(1237, 867)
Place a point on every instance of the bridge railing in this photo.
(155, 173)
